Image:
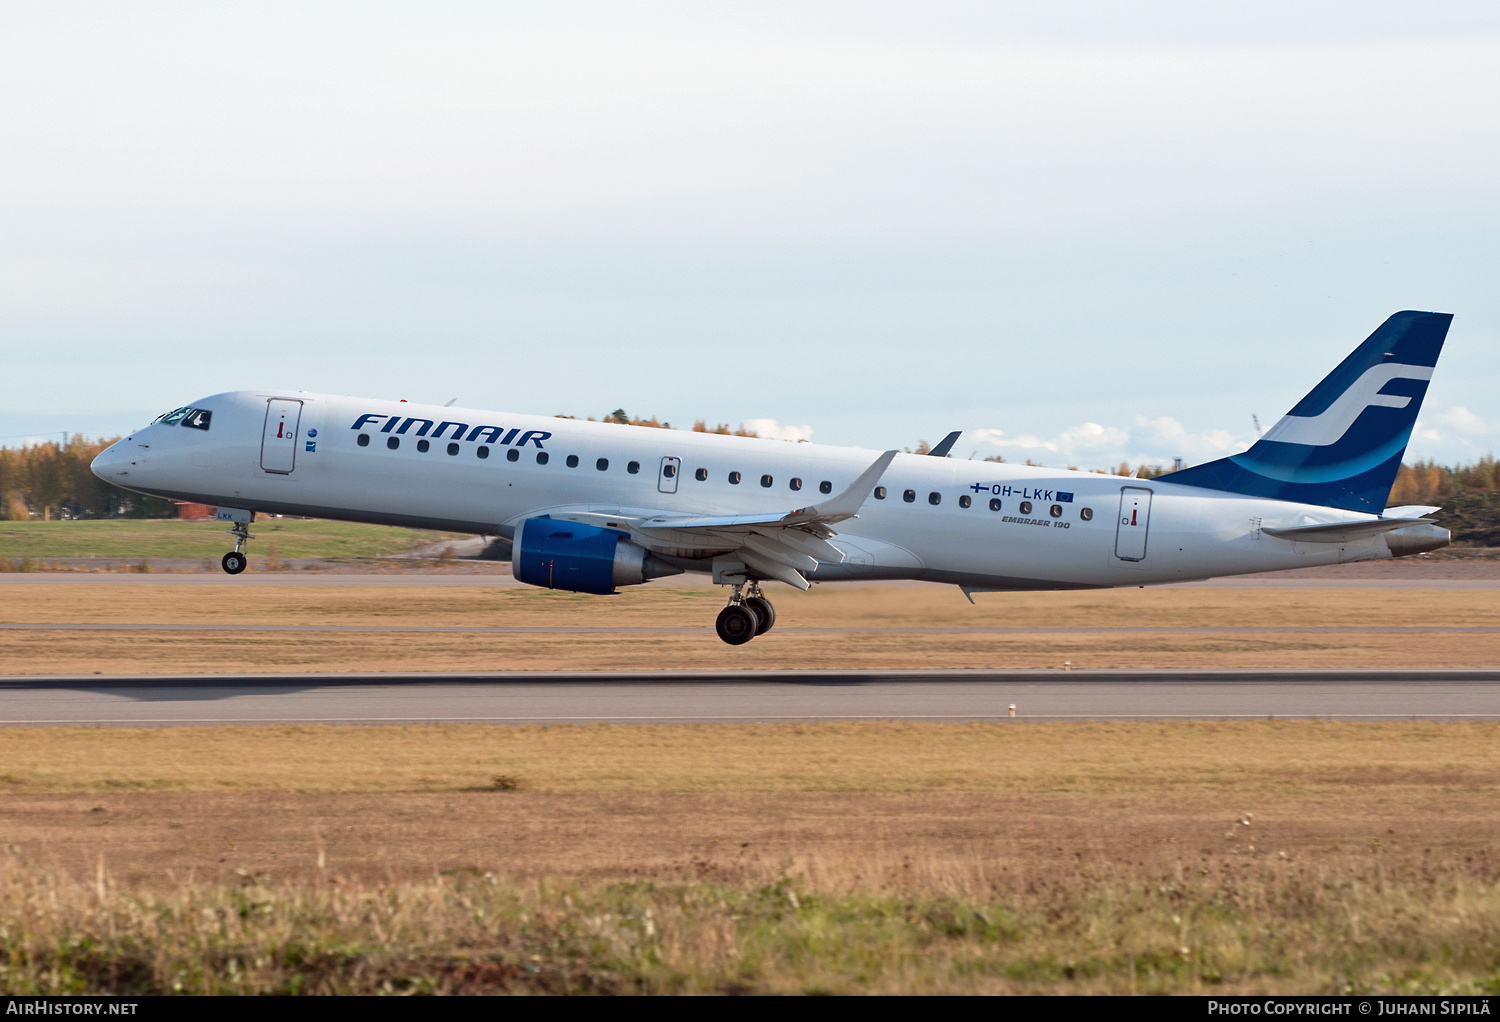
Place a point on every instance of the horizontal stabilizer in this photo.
(1344, 532)
(1410, 510)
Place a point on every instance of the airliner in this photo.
(588, 507)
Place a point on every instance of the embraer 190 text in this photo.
(589, 506)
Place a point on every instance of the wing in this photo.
(779, 545)
(946, 444)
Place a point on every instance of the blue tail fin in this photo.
(1342, 444)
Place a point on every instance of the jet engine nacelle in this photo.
(555, 554)
(1417, 539)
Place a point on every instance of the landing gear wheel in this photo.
(234, 562)
(737, 624)
(764, 611)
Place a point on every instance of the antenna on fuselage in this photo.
(1255, 419)
(451, 400)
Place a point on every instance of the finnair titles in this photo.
(591, 506)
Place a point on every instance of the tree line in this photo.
(52, 480)
(623, 418)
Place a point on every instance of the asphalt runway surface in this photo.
(746, 697)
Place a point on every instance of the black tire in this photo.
(764, 611)
(234, 562)
(737, 624)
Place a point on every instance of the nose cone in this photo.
(108, 464)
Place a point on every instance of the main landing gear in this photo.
(749, 614)
(234, 562)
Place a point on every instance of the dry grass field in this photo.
(865, 619)
(1262, 856)
(1190, 857)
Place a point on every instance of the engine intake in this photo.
(555, 554)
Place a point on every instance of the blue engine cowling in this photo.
(555, 554)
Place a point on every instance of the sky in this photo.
(1083, 232)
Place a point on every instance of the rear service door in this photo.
(278, 444)
(1135, 514)
(671, 468)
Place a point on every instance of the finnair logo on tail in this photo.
(1330, 425)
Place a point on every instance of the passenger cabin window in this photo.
(825, 487)
(393, 442)
(934, 498)
(994, 503)
(1055, 510)
(1087, 514)
(363, 440)
(668, 470)
(965, 500)
(794, 483)
(512, 455)
(602, 464)
(766, 481)
(198, 418)
(483, 452)
(909, 496)
(880, 493)
(701, 475)
(423, 446)
(1026, 507)
(452, 450)
(542, 457)
(734, 477)
(572, 461)
(633, 467)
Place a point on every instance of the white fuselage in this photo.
(1036, 539)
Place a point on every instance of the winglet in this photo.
(848, 503)
(946, 444)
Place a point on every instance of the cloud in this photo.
(1165, 433)
(772, 430)
(1451, 424)
(1087, 436)
(1091, 435)
(1156, 441)
(1464, 421)
(1025, 441)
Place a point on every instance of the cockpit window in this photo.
(198, 418)
(173, 418)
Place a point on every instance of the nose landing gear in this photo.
(234, 562)
(749, 614)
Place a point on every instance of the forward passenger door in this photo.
(278, 443)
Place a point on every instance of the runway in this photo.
(749, 697)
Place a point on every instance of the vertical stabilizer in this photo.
(1342, 444)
